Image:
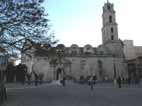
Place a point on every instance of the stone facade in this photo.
(105, 61)
(133, 55)
(131, 51)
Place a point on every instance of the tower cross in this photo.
(107, 1)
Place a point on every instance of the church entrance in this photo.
(58, 73)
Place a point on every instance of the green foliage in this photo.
(21, 20)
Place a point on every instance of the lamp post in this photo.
(1, 73)
(114, 71)
(114, 68)
(91, 67)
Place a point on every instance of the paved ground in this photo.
(72, 95)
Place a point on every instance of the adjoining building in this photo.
(133, 55)
(107, 61)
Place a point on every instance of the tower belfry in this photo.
(110, 38)
(109, 29)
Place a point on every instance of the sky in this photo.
(80, 21)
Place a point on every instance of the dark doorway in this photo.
(59, 71)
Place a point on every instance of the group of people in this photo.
(20, 74)
(17, 73)
(118, 82)
(130, 81)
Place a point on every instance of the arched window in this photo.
(111, 30)
(110, 19)
(100, 64)
(100, 67)
(112, 37)
(108, 7)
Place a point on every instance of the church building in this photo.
(106, 62)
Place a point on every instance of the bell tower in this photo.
(110, 38)
(109, 29)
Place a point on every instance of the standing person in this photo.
(64, 78)
(94, 79)
(129, 80)
(119, 81)
(64, 81)
(3, 95)
(22, 70)
(10, 72)
(29, 75)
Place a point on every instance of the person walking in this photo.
(119, 81)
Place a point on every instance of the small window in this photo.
(112, 37)
(110, 19)
(111, 30)
(82, 64)
(100, 64)
(88, 48)
(108, 7)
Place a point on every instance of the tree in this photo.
(21, 20)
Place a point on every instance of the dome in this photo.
(88, 48)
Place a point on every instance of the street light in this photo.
(114, 67)
(114, 71)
